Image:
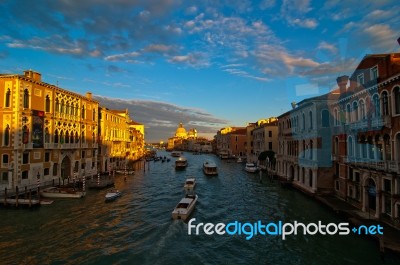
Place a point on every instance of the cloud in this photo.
(304, 23)
(161, 119)
(323, 45)
(191, 59)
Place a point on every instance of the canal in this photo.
(137, 228)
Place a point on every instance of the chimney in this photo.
(35, 76)
(89, 95)
(342, 83)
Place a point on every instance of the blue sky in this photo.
(208, 64)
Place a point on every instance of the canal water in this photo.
(137, 228)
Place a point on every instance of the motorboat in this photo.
(251, 167)
(62, 192)
(125, 172)
(181, 163)
(185, 207)
(112, 195)
(210, 168)
(190, 183)
(224, 155)
(239, 160)
(176, 153)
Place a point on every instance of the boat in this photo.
(185, 207)
(123, 172)
(210, 168)
(190, 183)
(251, 167)
(112, 195)
(181, 163)
(224, 155)
(239, 160)
(62, 192)
(176, 153)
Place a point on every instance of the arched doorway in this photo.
(66, 167)
(371, 191)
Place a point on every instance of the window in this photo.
(355, 111)
(5, 159)
(377, 108)
(7, 135)
(311, 149)
(25, 134)
(83, 154)
(57, 105)
(25, 158)
(360, 79)
(304, 121)
(47, 171)
(26, 98)
(47, 105)
(47, 157)
(385, 103)
(62, 106)
(8, 98)
(269, 133)
(362, 110)
(311, 119)
(397, 100)
(348, 113)
(94, 114)
(83, 112)
(56, 137)
(270, 145)
(4, 177)
(55, 169)
(46, 135)
(325, 117)
(350, 147)
(25, 174)
(374, 73)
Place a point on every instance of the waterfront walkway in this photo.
(391, 236)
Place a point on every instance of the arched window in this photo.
(76, 137)
(57, 105)
(348, 113)
(355, 111)
(304, 121)
(67, 137)
(311, 149)
(83, 137)
(325, 117)
(72, 137)
(311, 119)
(310, 178)
(62, 106)
(350, 147)
(362, 110)
(396, 98)
(385, 103)
(62, 137)
(25, 134)
(56, 136)
(8, 98)
(26, 98)
(83, 112)
(371, 148)
(388, 147)
(67, 108)
(47, 107)
(46, 135)
(304, 148)
(363, 145)
(7, 135)
(377, 107)
(72, 110)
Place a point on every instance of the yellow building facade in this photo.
(48, 133)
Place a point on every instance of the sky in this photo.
(208, 64)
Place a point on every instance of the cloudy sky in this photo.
(208, 63)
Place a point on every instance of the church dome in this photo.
(180, 131)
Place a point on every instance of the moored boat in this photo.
(123, 172)
(185, 207)
(251, 167)
(176, 153)
(181, 163)
(210, 168)
(62, 192)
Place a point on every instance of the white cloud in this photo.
(323, 45)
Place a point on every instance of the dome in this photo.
(180, 132)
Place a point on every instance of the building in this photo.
(231, 142)
(47, 132)
(304, 152)
(182, 138)
(264, 137)
(366, 139)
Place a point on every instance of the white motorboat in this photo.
(224, 155)
(251, 167)
(210, 168)
(185, 207)
(125, 172)
(112, 195)
(176, 153)
(62, 192)
(181, 163)
(190, 183)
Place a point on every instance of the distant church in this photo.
(177, 141)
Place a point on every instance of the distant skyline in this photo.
(207, 64)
